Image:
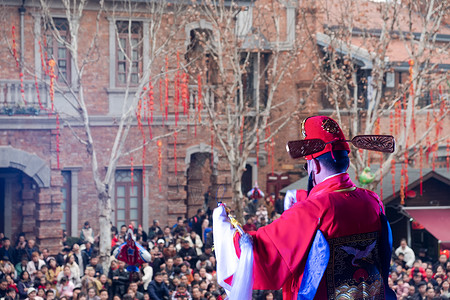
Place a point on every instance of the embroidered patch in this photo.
(330, 126)
(353, 270)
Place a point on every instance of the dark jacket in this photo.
(158, 291)
(119, 285)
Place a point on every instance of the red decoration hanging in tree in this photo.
(185, 93)
(51, 64)
(176, 99)
(151, 104)
(199, 95)
(166, 88)
(14, 45)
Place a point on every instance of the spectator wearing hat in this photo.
(407, 251)
(32, 294)
(421, 291)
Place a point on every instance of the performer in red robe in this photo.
(332, 244)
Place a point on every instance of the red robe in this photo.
(281, 248)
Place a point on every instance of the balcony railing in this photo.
(13, 101)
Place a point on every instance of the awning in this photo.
(435, 219)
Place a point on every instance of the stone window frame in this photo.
(38, 25)
(113, 48)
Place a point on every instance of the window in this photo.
(129, 51)
(128, 202)
(255, 77)
(66, 202)
(57, 51)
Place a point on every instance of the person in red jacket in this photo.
(334, 243)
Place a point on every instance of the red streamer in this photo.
(448, 155)
(200, 104)
(176, 99)
(14, 45)
(166, 87)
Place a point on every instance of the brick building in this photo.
(42, 192)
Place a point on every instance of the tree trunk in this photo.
(105, 229)
(236, 178)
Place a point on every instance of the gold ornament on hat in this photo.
(330, 126)
(303, 127)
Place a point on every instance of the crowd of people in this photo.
(418, 277)
(183, 265)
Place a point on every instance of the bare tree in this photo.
(142, 67)
(245, 54)
(362, 50)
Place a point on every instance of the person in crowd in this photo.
(445, 289)
(181, 293)
(188, 253)
(195, 242)
(154, 230)
(134, 288)
(22, 265)
(92, 294)
(50, 294)
(40, 292)
(34, 265)
(24, 284)
(65, 287)
(67, 272)
(7, 252)
(88, 250)
(30, 248)
(157, 288)
(120, 279)
(105, 283)
(3, 287)
(74, 268)
(32, 294)
(87, 233)
(441, 262)
(269, 207)
(12, 293)
(197, 220)
(53, 271)
(409, 256)
(147, 275)
(250, 224)
(94, 263)
(81, 259)
(279, 204)
(104, 294)
(169, 252)
(89, 281)
(421, 291)
(45, 254)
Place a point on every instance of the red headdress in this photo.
(326, 129)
